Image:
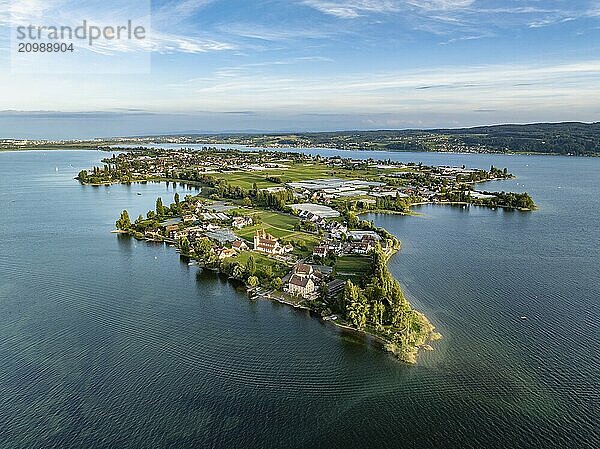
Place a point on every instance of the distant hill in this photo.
(549, 138)
(568, 138)
(560, 138)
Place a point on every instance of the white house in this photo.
(304, 287)
(303, 280)
(241, 222)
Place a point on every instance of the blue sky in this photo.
(329, 64)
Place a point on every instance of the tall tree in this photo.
(251, 265)
(160, 209)
(124, 223)
(184, 245)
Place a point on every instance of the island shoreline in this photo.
(372, 302)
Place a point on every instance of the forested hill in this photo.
(561, 138)
(580, 139)
(551, 138)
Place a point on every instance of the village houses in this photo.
(241, 222)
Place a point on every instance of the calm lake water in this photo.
(106, 342)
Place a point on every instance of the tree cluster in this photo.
(381, 305)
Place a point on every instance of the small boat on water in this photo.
(139, 194)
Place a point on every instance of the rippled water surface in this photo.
(106, 342)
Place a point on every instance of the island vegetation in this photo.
(290, 227)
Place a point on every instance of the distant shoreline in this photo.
(487, 153)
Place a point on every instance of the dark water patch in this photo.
(110, 342)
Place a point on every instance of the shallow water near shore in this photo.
(109, 342)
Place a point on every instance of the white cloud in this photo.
(169, 43)
(441, 4)
(350, 9)
(551, 20)
(531, 92)
(113, 13)
(498, 87)
(191, 6)
(175, 12)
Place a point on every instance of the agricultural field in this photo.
(279, 268)
(280, 226)
(297, 172)
(275, 223)
(246, 180)
(353, 267)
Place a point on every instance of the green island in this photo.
(289, 226)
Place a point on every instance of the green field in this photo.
(279, 269)
(246, 180)
(280, 226)
(294, 173)
(353, 267)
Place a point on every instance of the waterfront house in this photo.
(334, 288)
(359, 235)
(303, 281)
(364, 246)
(172, 227)
(171, 231)
(299, 286)
(189, 218)
(174, 235)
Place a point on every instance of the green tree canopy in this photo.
(251, 265)
(160, 209)
(124, 223)
(184, 245)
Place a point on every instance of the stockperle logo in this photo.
(91, 38)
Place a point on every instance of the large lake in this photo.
(106, 342)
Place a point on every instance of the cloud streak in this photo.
(161, 38)
(498, 87)
(350, 9)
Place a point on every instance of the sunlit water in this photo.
(106, 342)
